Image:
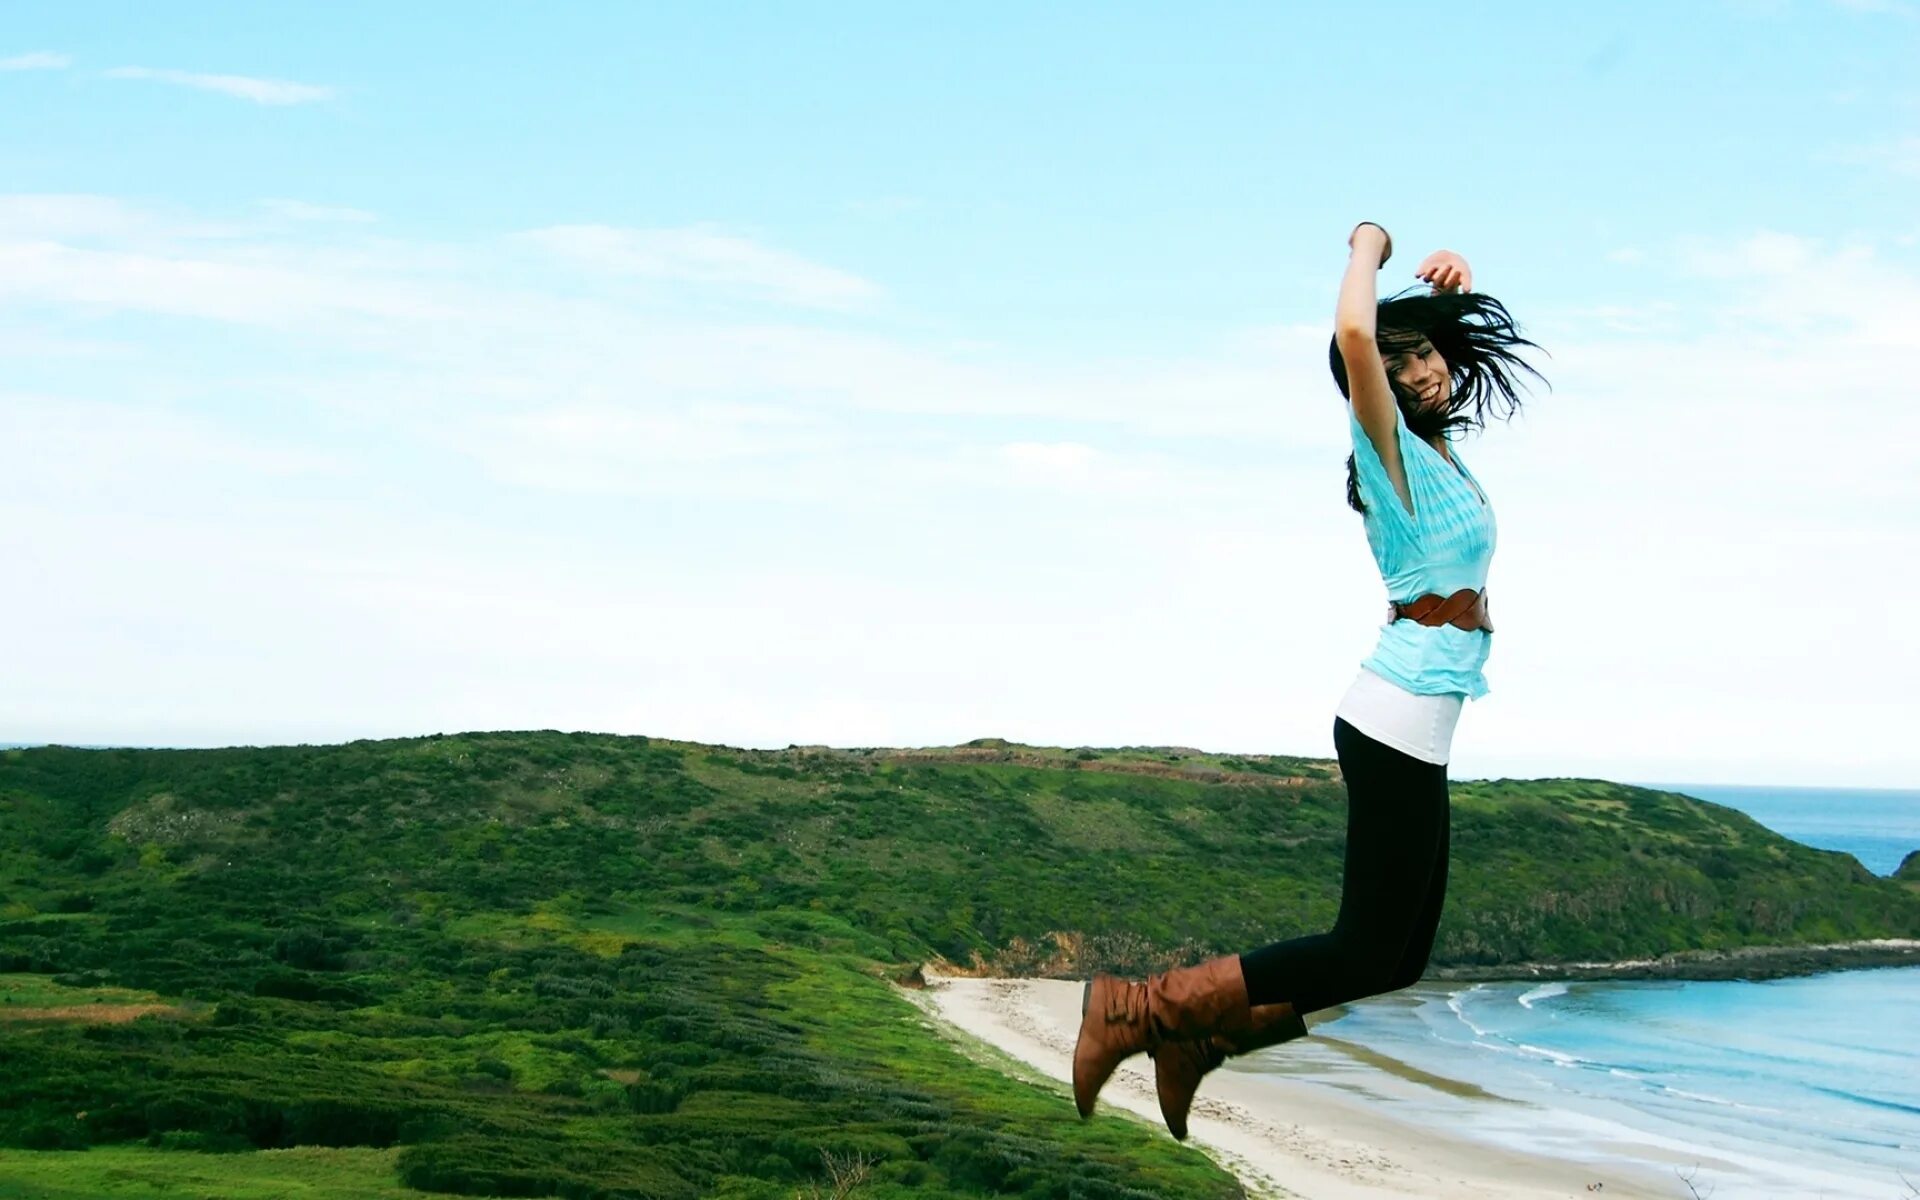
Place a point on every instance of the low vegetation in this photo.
(586, 966)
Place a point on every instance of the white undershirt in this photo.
(1421, 726)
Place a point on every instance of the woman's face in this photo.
(1419, 375)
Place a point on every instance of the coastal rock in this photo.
(1744, 962)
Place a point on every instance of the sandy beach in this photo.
(1288, 1137)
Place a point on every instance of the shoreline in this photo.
(1292, 1137)
(1739, 962)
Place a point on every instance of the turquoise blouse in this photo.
(1444, 545)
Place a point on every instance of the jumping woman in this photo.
(1415, 369)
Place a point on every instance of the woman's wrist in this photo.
(1360, 235)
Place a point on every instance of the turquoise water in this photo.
(1807, 1083)
(1788, 1087)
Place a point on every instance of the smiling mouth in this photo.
(1430, 393)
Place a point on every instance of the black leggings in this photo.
(1390, 898)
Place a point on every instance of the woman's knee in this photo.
(1408, 971)
(1372, 965)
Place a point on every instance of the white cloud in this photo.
(1896, 7)
(264, 294)
(244, 87)
(597, 446)
(1787, 285)
(536, 503)
(703, 255)
(103, 219)
(885, 206)
(462, 322)
(40, 61)
(300, 210)
(1051, 461)
(115, 442)
(59, 216)
(1077, 467)
(1899, 155)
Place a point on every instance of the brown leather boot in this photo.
(1178, 1066)
(1119, 1018)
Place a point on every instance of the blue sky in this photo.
(863, 375)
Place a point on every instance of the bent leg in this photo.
(1413, 961)
(1396, 832)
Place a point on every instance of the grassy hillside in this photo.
(578, 965)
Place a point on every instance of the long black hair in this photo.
(1479, 340)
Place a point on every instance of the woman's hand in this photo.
(1446, 271)
(1366, 233)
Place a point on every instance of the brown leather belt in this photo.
(1466, 608)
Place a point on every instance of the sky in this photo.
(893, 375)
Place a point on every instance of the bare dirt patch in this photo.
(93, 1014)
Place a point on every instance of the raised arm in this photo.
(1353, 334)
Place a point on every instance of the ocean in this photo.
(1791, 1087)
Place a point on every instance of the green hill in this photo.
(578, 965)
